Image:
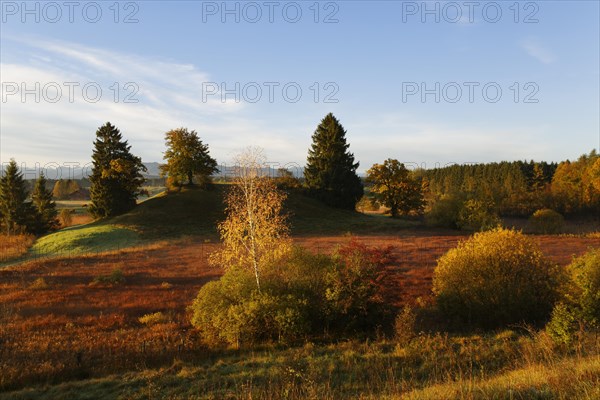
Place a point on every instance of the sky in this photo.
(427, 83)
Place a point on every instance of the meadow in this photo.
(105, 315)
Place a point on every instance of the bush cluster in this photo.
(305, 295)
(546, 221)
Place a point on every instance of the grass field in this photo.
(71, 327)
(70, 324)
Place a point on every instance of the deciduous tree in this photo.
(255, 233)
(187, 157)
(396, 188)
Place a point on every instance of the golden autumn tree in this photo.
(255, 233)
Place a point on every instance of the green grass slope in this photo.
(196, 212)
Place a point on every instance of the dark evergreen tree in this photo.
(116, 174)
(45, 209)
(15, 211)
(330, 173)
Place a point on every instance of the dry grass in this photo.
(14, 246)
(72, 330)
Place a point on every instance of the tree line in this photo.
(507, 188)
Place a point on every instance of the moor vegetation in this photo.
(274, 287)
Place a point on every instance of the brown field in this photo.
(58, 324)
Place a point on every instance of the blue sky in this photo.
(368, 60)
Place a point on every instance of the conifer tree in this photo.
(15, 211)
(330, 173)
(45, 209)
(116, 174)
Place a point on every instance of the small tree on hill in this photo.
(330, 172)
(64, 188)
(15, 211)
(187, 157)
(45, 208)
(116, 174)
(394, 186)
(255, 233)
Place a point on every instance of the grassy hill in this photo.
(196, 212)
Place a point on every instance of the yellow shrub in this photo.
(496, 278)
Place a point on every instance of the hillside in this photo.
(196, 212)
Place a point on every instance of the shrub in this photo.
(478, 215)
(154, 319)
(367, 203)
(115, 277)
(496, 278)
(562, 325)
(39, 284)
(444, 213)
(232, 311)
(585, 291)
(404, 325)
(66, 217)
(306, 294)
(546, 221)
(353, 292)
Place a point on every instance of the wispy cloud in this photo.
(538, 51)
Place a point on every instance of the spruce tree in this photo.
(116, 174)
(45, 208)
(15, 211)
(330, 173)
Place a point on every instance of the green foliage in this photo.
(116, 277)
(330, 172)
(444, 212)
(546, 221)
(116, 174)
(307, 294)
(63, 188)
(404, 325)
(16, 213)
(478, 215)
(187, 158)
(45, 209)
(562, 325)
(231, 310)
(496, 278)
(154, 319)
(517, 188)
(585, 293)
(396, 188)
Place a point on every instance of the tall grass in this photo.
(506, 365)
(14, 246)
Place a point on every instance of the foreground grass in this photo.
(502, 366)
